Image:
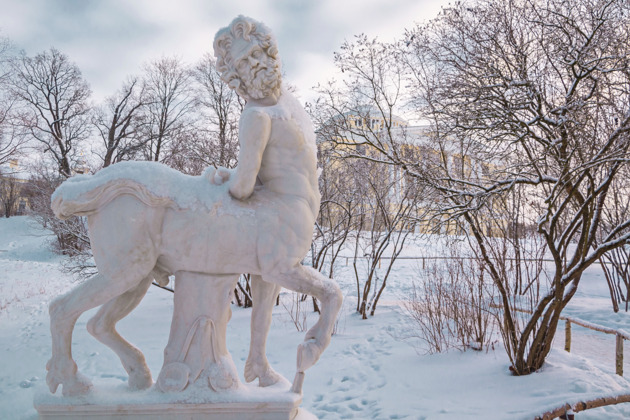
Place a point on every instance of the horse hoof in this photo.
(141, 380)
(308, 355)
(53, 377)
(268, 376)
(79, 385)
(250, 371)
(53, 382)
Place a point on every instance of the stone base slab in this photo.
(254, 411)
(246, 403)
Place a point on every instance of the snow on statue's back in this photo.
(152, 182)
(147, 222)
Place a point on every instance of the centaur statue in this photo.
(147, 222)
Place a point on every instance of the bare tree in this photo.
(187, 152)
(357, 120)
(220, 107)
(52, 99)
(166, 84)
(358, 112)
(616, 266)
(339, 209)
(11, 140)
(527, 100)
(536, 94)
(51, 109)
(5, 52)
(385, 221)
(214, 111)
(119, 121)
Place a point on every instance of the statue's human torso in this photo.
(289, 162)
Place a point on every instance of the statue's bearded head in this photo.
(247, 58)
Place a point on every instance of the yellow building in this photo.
(12, 182)
(362, 135)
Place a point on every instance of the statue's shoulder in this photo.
(284, 109)
(254, 118)
(255, 112)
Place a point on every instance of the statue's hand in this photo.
(220, 175)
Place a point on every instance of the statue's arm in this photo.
(254, 132)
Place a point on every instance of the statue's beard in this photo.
(263, 82)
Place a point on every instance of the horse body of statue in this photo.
(195, 225)
(147, 222)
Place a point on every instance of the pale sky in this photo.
(111, 39)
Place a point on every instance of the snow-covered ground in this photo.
(368, 372)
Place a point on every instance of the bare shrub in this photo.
(295, 309)
(71, 234)
(452, 306)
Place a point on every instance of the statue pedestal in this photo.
(195, 403)
(196, 351)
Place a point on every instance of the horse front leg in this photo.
(264, 296)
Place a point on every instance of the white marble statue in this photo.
(147, 222)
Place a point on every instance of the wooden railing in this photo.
(619, 334)
(583, 405)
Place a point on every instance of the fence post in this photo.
(567, 336)
(423, 263)
(619, 355)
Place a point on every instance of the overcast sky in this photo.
(111, 39)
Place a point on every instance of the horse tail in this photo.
(72, 199)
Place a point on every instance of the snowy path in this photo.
(347, 395)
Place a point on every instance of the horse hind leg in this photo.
(64, 312)
(307, 280)
(103, 327)
(264, 296)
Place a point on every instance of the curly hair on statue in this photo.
(250, 30)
